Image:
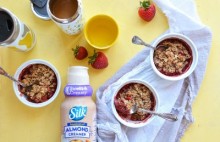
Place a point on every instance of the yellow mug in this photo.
(101, 31)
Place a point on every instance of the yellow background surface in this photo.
(19, 123)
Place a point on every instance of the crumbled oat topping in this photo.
(173, 60)
(132, 94)
(41, 81)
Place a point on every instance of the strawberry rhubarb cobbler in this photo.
(41, 83)
(173, 57)
(131, 94)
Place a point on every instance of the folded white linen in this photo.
(175, 96)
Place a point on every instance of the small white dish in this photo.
(22, 97)
(130, 123)
(194, 54)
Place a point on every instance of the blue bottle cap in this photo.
(39, 8)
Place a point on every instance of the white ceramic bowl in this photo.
(23, 98)
(130, 123)
(194, 56)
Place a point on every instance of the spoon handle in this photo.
(167, 116)
(137, 40)
(3, 72)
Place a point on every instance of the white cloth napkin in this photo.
(175, 96)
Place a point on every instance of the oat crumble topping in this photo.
(42, 83)
(174, 59)
(130, 95)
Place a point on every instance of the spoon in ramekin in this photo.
(137, 40)
(167, 116)
(4, 73)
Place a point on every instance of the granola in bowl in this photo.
(134, 92)
(175, 57)
(43, 83)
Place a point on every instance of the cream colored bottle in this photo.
(78, 111)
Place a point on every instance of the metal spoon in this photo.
(3, 72)
(167, 116)
(137, 40)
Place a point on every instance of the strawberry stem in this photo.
(145, 4)
(75, 50)
(93, 57)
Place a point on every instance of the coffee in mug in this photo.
(14, 33)
(67, 14)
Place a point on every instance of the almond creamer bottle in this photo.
(78, 111)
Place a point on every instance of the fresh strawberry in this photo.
(147, 10)
(98, 60)
(80, 52)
